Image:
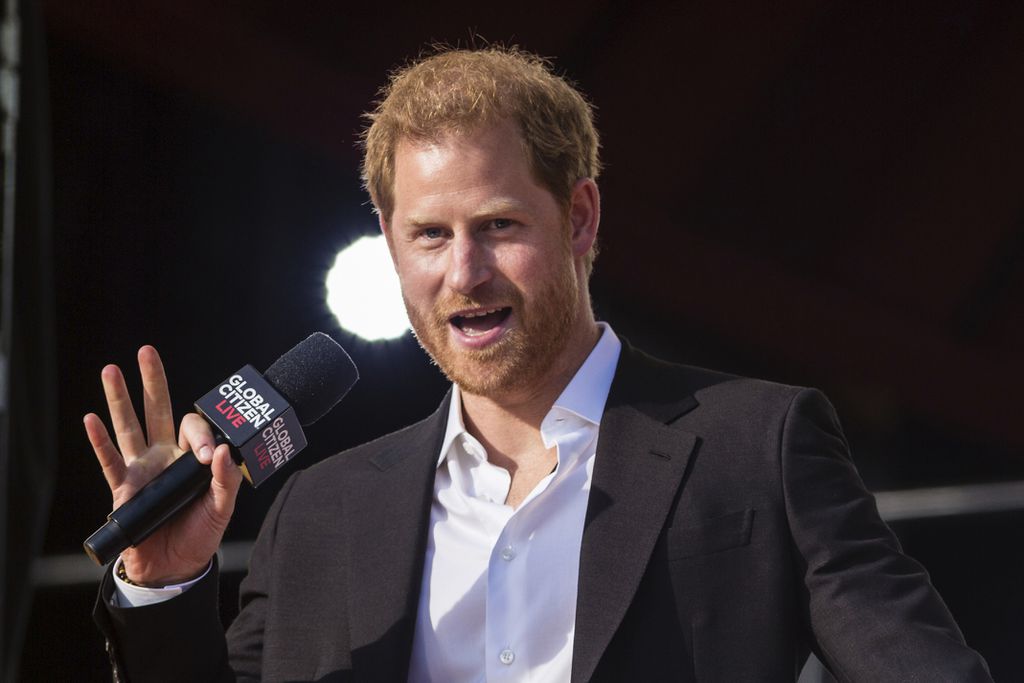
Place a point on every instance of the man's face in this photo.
(485, 258)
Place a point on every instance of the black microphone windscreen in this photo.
(313, 376)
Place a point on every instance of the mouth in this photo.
(480, 322)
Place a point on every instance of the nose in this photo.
(468, 265)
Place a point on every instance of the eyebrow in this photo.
(487, 209)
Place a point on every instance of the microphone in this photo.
(259, 416)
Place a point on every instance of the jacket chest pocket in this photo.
(707, 536)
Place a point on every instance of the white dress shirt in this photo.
(498, 598)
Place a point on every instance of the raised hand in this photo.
(182, 548)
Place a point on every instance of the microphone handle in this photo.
(130, 524)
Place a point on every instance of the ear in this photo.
(584, 215)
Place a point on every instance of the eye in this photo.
(501, 223)
(432, 233)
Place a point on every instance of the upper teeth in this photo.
(479, 314)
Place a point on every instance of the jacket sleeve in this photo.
(873, 612)
(182, 639)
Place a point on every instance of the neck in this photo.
(508, 423)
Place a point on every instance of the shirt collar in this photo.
(587, 391)
(585, 395)
(456, 427)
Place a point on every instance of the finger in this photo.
(126, 425)
(110, 460)
(227, 477)
(196, 436)
(159, 420)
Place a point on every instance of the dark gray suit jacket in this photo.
(727, 535)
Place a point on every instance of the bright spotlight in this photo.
(363, 291)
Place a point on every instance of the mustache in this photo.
(451, 304)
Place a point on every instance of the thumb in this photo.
(227, 477)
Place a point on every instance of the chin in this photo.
(508, 367)
(482, 376)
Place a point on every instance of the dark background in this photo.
(820, 193)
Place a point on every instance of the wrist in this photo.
(134, 577)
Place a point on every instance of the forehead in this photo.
(485, 163)
(499, 139)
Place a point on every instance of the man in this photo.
(574, 510)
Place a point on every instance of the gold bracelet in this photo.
(122, 574)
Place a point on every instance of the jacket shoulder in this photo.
(378, 454)
(643, 374)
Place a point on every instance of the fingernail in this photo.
(206, 454)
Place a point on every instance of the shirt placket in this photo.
(508, 579)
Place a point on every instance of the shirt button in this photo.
(508, 553)
(507, 656)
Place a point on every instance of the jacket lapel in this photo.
(640, 464)
(388, 517)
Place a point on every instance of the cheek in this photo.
(420, 279)
(538, 263)
(524, 262)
